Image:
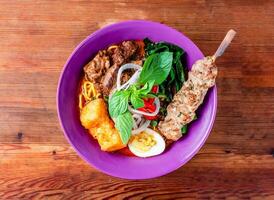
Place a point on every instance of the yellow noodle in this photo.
(88, 91)
(112, 47)
(87, 98)
(85, 92)
(80, 102)
(98, 95)
(93, 90)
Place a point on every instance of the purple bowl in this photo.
(113, 163)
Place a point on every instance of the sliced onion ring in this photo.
(123, 68)
(138, 118)
(131, 81)
(141, 128)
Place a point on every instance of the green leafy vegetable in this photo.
(152, 47)
(137, 94)
(147, 87)
(184, 129)
(156, 67)
(176, 77)
(151, 95)
(124, 124)
(163, 66)
(118, 103)
(118, 106)
(136, 101)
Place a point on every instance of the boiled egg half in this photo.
(147, 143)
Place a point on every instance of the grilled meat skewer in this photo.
(181, 110)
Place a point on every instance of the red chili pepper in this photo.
(125, 151)
(154, 89)
(149, 108)
(150, 117)
(149, 104)
(148, 100)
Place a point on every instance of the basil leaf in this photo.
(147, 87)
(124, 124)
(156, 67)
(136, 101)
(118, 103)
(151, 95)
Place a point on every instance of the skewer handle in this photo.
(225, 43)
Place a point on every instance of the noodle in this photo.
(88, 92)
(80, 101)
(112, 47)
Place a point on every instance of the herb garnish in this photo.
(155, 70)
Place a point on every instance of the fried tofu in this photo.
(94, 117)
(94, 113)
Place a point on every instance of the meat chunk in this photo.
(123, 52)
(121, 55)
(128, 48)
(97, 67)
(117, 56)
(126, 75)
(109, 79)
(102, 70)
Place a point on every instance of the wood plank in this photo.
(36, 162)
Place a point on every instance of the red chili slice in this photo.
(125, 151)
(154, 89)
(149, 104)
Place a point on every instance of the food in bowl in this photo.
(135, 97)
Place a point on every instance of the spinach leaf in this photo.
(176, 77)
(118, 103)
(156, 67)
(124, 124)
(180, 75)
(172, 76)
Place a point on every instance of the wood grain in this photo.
(36, 162)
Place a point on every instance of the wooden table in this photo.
(36, 161)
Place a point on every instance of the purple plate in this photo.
(113, 163)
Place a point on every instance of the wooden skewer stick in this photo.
(225, 43)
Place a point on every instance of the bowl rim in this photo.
(109, 172)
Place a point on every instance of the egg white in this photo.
(157, 149)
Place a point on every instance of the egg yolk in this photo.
(143, 141)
